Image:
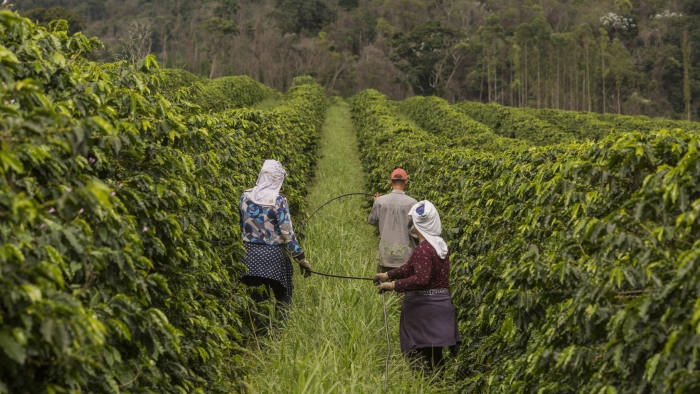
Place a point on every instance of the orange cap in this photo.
(399, 175)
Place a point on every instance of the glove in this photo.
(386, 286)
(380, 277)
(305, 268)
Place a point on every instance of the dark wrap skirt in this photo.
(427, 321)
(269, 261)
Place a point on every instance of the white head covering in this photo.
(427, 221)
(267, 188)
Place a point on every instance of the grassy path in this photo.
(333, 339)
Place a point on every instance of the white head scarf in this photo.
(267, 188)
(427, 221)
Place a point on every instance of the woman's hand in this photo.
(386, 286)
(305, 268)
(380, 277)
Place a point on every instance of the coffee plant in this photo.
(584, 125)
(644, 123)
(119, 243)
(591, 125)
(514, 123)
(173, 79)
(575, 266)
(437, 116)
(213, 95)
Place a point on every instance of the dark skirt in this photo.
(268, 261)
(427, 320)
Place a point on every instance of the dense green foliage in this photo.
(438, 117)
(644, 123)
(575, 267)
(214, 95)
(419, 52)
(529, 124)
(582, 124)
(118, 219)
(172, 79)
(302, 16)
(631, 57)
(45, 16)
(595, 126)
(513, 122)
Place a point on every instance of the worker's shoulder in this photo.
(395, 198)
(384, 198)
(406, 199)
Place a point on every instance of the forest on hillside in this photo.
(619, 56)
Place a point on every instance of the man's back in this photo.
(390, 214)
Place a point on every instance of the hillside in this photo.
(631, 57)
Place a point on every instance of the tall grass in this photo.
(333, 339)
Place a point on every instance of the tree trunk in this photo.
(539, 84)
(495, 82)
(526, 93)
(457, 60)
(587, 88)
(164, 40)
(213, 67)
(574, 85)
(337, 73)
(488, 80)
(558, 90)
(481, 88)
(572, 88)
(618, 98)
(585, 73)
(510, 84)
(602, 62)
(685, 46)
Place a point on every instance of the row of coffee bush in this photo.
(514, 123)
(438, 117)
(575, 266)
(119, 243)
(214, 95)
(551, 126)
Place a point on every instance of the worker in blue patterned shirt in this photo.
(267, 231)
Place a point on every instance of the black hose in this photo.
(339, 276)
(303, 224)
(388, 346)
(386, 320)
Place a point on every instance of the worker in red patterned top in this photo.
(428, 322)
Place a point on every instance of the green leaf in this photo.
(7, 56)
(650, 367)
(12, 348)
(9, 161)
(59, 59)
(617, 275)
(33, 292)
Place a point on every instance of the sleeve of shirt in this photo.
(374, 215)
(403, 271)
(241, 216)
(420, 277)
(240, 212)
(286, 231)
